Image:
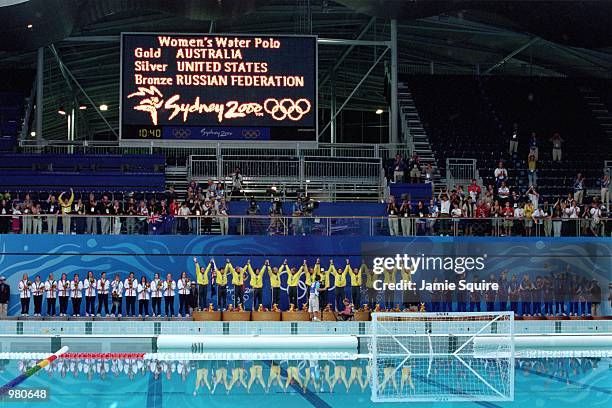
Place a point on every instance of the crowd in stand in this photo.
(339, 288)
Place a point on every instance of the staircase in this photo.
(414, 133)
(598, 109)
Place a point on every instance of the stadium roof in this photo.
(547, 38)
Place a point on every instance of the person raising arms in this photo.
(293, 280)
(275, 282)
(256, 279)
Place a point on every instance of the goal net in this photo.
(442, 356)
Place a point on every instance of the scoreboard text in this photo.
(218, 87)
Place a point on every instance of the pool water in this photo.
(89, 383)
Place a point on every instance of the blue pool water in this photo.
(540, 383)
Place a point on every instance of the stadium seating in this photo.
(472, 118)
(82, 172)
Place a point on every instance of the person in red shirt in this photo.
(474, 190)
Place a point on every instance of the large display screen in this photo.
(218, 87)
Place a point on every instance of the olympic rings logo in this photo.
(287, 108)
(250, 134)
(181, 133)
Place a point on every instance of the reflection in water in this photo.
(281, 376)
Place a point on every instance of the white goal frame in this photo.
(478, 326)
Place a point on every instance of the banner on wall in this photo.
(418, 261)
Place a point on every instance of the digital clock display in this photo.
(218, 87)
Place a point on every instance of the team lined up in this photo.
(192, 294)
(335, 286)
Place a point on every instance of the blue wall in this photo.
(43, 254)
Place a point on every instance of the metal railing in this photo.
(460, 171)
(304, 225)
(297, 170)
(187, 148)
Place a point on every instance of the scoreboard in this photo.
(218, 87)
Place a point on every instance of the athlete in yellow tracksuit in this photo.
(339, 282)
(203, 280)
(293, 280)
(389, 277)
(238, 275)
(275, 282)
(256, 279)
(369, 283)
(324, 281)
(221, 281)
(356, 280)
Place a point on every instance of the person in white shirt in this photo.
(76, 286)
(445, 210)
(169, 288)
(500, 173)
(89, 284)
(63, 291)
(538, 219)
(25, 292)
(130, 285)
(103, 286)
(605, 189)
(51, 292)
(595, 215)
(183, 285)
(117, 295)
(38, 288)
(144, 293)
(156, 295)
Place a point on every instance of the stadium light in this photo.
(61, 111)
(32, 133)
(82, 107)
(379, 111)
(103, 107)
(29, 26)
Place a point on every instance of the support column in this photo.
(40, 67)
(332, 106)
(393, 107)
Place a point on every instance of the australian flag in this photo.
(160, 224)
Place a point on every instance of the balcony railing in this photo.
(311, 225)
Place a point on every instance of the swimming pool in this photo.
(149, 382)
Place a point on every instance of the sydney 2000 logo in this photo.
(152, 101)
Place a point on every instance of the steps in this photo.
(598, 109)
(414, 133)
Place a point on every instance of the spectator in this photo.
(66, 205)
(105, 209)
(533, 145)
(514, 140)
(52, 210)
(297, 211)
(36, 219)
(445, 212)
(5, 296)
(434, 212)
(405, 212)
(398, 168)
(237, 180)
(528, 211)
(605, 189)
(16, 219)
(117, 210)
(222, 212)
(196, 211)
(143, 213)
(503, 192)
(415, 168)
(130, 219)
(392, 214)
(184, 212)
(556, 146)
(579, 188)
(532, 173)
(474, 191)
(92, 211)
(429, 174)
(508, 214)
(5, 220)
(501, 174)
(421, 212)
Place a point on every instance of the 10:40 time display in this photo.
(147, 133)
